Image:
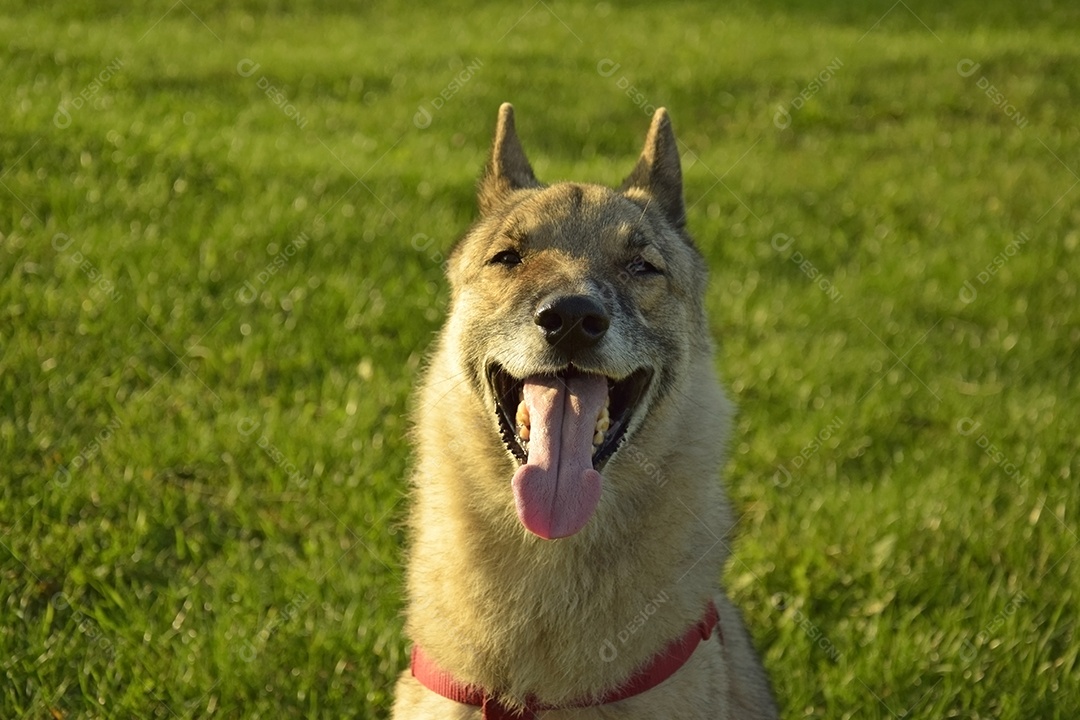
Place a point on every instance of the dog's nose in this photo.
(572, 322)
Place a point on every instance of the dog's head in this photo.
(574, 308)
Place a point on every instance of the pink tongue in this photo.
(557, 489)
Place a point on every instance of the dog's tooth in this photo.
(523, 423)
(603, 424)
(598, 438)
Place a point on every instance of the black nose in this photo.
(572, 322)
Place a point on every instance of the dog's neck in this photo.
(559, 620)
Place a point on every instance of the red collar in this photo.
(663, 665)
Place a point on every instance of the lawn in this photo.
(221, 236)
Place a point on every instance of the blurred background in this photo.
(222, 229)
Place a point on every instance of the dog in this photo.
(568, 525)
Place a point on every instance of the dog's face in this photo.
(573, 307)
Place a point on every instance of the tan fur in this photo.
(564, 619)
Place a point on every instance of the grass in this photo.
(221, 233)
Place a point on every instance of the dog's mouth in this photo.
(562, 428)
(621, 399)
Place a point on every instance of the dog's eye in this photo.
(509, 258)
(640, 266)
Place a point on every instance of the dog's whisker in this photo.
(643, 211)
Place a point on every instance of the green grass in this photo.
(204, 468)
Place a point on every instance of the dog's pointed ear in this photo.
(508, 169)
(658, 170)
